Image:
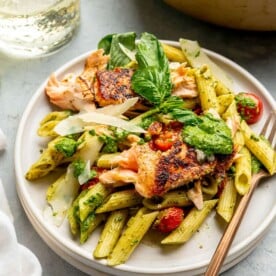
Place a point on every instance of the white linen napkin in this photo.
(15, 259)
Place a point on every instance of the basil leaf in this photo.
(185, 116)
(150, 53)
(152, 83)
(105, 43)
(152, 78)
(118, 57)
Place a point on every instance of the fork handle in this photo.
(229, 234)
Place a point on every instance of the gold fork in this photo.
(222, 249)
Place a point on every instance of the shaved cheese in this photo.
(60, 196)
(85, 174)
(70, 125)
(104, 116)
(118, 109)
(98, 118)
(196, 57)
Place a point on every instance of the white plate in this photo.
(190, 258)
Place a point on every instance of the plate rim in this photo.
(22, 191)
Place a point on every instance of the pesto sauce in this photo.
(66, 146)
(211, 135)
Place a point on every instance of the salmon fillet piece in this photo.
(159, 172)
(113, 87)
(75, 92)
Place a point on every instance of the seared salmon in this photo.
(76, 92)
(113, 86)
(158, 172)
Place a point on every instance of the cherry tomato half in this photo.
(249, 106)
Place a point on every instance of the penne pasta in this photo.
(120, 200)
(50, 158)
(227, 200)
(111, 233)
(173, 54)
(212, 188)
(206, 89)
(224, 101)
(48, 123)
(190, 224)
(238, 140)
(260, 147)
(87, 226)
(243, 171)
(92, 199)
(221, 89)
(135, 231)
(73, 214)
(174, 198)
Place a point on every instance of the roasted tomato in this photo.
(166, 136)
(169, 219)
(249, 106)
(164, 141)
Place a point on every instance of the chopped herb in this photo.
(95, 200)
(92, 132)
(120, 134)
(135, 241)
(67, 146)
(197, 53)
(254, 137)
(245, 101)
(147, 121)
(118, 219)
(78, 167)
(110, 144)
(256, 165)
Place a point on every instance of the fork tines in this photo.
(269, 127)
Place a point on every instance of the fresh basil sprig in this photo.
(112, 44)
(152, 78)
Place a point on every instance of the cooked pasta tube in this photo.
(174, 198)
(108, 160)
(190, 224)
(111, 233)
(221, 89)
(50, 158)
(48, 123)
(206, 89)
(120, 200)
(131, 237)
(238, 140)
(243, 171)
(231, 112)
(212, 188)
(173, 53)
(89, 225)
(224, 101)
(73, 213)
(92, 199)
(260, 147)
(227, 200)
